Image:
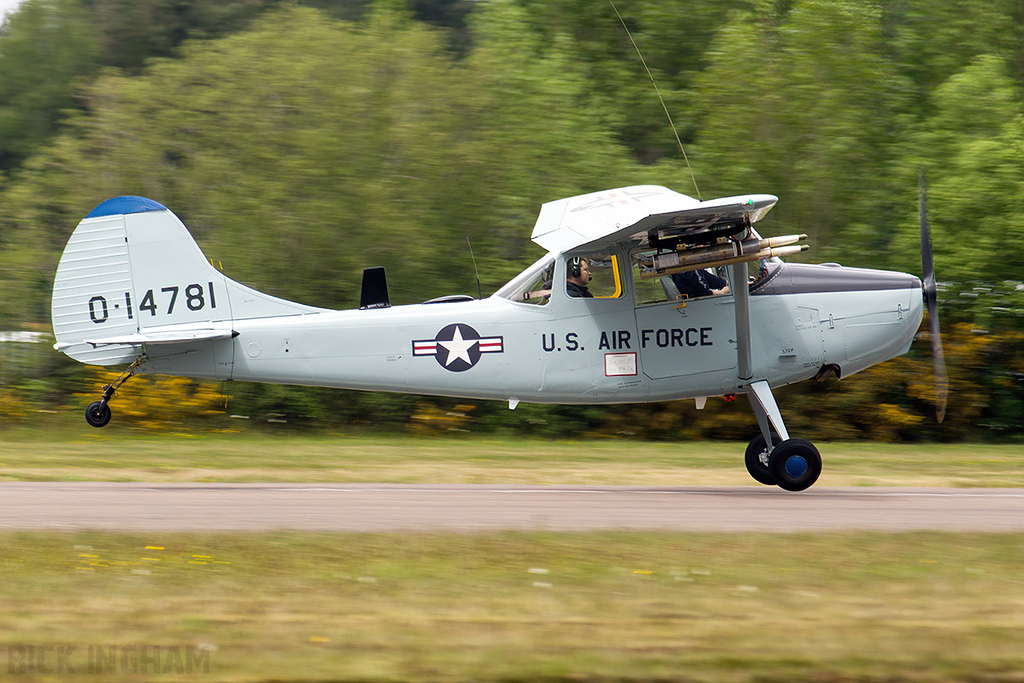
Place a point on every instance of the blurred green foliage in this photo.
(303, 141)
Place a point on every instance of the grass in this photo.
(505, 607)
(523, 606)
(80, 453)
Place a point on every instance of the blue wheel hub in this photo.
(796, 466)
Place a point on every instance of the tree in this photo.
(305, 149)
(931, 41)
(46, 46)
(673, 38)
(972, 148)
(135, 31)
(801, 104)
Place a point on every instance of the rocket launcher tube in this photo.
(722, 254)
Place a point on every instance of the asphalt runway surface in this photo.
(471, 508)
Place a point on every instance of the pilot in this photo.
(700, 282)
(577, 277)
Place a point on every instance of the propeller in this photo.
(930, 292)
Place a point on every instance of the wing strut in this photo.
(762, 402)
(741, 296)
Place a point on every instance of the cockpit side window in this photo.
(600, 277)
(534, 285)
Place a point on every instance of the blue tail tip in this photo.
(125, 204)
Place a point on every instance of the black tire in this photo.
(756, 459)
(796, 464)
(97, 414)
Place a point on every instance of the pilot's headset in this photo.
(575, 266)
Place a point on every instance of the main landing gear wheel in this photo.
(795, 464)
(98, 414)
(757, 459)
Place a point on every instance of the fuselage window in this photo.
(652, 286)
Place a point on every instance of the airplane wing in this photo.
(640, 213)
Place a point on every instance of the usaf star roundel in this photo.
(457, 347)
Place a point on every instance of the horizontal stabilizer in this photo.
(173, 334)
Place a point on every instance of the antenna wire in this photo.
(660, 98)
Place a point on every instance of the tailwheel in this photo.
(795, 464)
(757, 456)
(98, 413)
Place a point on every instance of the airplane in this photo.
(132, 286)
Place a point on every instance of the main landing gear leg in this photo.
(98, 413)
(792, 464)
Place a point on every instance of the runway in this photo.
(471, 508)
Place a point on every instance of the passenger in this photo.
(700, 282)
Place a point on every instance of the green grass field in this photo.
(72, 453)
(502, 607)
(516, 606)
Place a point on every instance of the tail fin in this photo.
(132, 275)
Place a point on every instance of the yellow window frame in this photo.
(617, 274)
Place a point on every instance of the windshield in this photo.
(533, 285)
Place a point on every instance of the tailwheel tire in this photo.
(756, 459)
(97, 414)
(795, 464)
